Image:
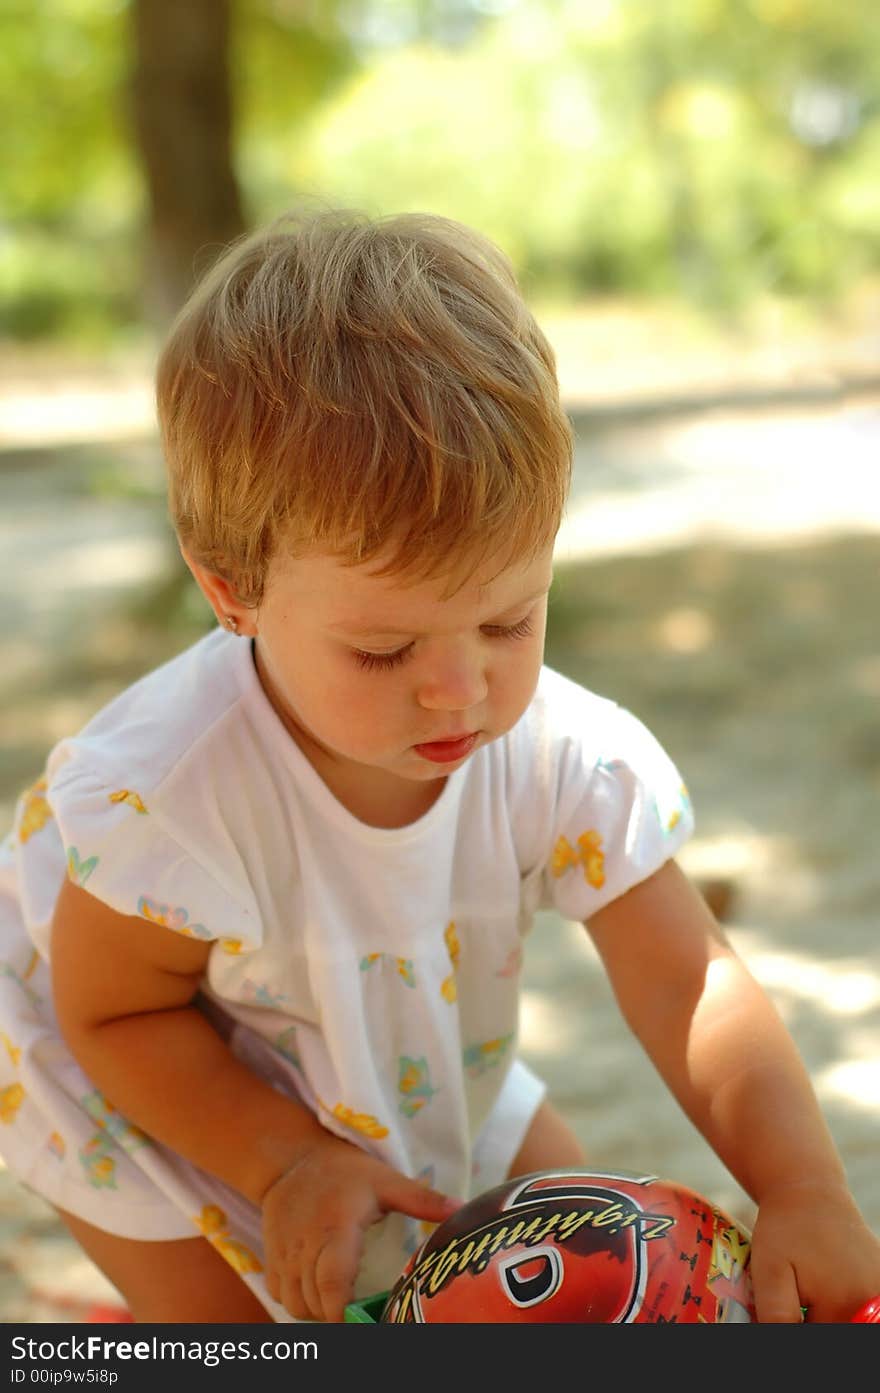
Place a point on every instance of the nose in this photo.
(453, 681)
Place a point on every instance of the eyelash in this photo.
(384, 662)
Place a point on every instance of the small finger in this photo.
(335, 1272)
(311, 1289)
(295, 1301)
(776, 1298)
(273, 1282)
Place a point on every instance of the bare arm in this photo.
(724, 1052)
(123, 990)
(713, 1035)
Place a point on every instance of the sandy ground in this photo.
(719, 575)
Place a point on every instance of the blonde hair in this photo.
(370, 387)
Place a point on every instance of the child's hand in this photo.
(811, 1247)
(315, 1216)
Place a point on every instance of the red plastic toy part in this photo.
(869, 1314)
(573, 1246)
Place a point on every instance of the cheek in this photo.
(355, 703)
(517, 672)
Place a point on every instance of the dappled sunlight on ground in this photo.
(749, 480)
(845, 987)
(854, 1081)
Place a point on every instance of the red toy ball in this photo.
(572, 1246)
(869, 1314)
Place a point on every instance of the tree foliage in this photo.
(710, 148)
(713, 148)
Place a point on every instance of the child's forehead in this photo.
(358, 595)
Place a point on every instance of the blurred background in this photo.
(688, 190)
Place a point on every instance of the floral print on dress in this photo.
(12, 1050)
(670, 820)
(111, 1121)
(21, 979)
(97, 1162)
(414, 1083)
(362, 1122)
(404, 966)
(589, 856)
(259, 994)
(79, 869)
(449, 987)
(512, 963)
(212, 1222)
(128, 795)
(11, 1099)
(168, 918)
(35, 811)
(486, 1055)
(287, 1046)
(57, 1146)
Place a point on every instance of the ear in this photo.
(222, 599)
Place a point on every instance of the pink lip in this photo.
(447, 751)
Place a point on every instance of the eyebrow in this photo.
(358, 630)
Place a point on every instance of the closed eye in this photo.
(373, 662)
(384, 662)
(520, 630)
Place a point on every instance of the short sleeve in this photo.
(620, 809)
(119, 844)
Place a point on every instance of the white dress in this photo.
(373, 973)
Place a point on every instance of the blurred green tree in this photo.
(708, 148)
(133, 121)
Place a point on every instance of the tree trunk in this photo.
(182, 118)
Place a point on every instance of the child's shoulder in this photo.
(564, 708)
(149, 727)
(568, 725)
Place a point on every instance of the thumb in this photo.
(776, 1296)
(419, 1201)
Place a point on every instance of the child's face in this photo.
(370, 674)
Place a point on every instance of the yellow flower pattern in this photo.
(564, 855)
(414, 1082)
(404, 966)
(100, 1168)
(593, 858)
(128, 795)
(589, 856)
(448, 987)
(35, 812)
(11, 1099)
(362, 1122)
(480, 1057)
(212, 1222)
